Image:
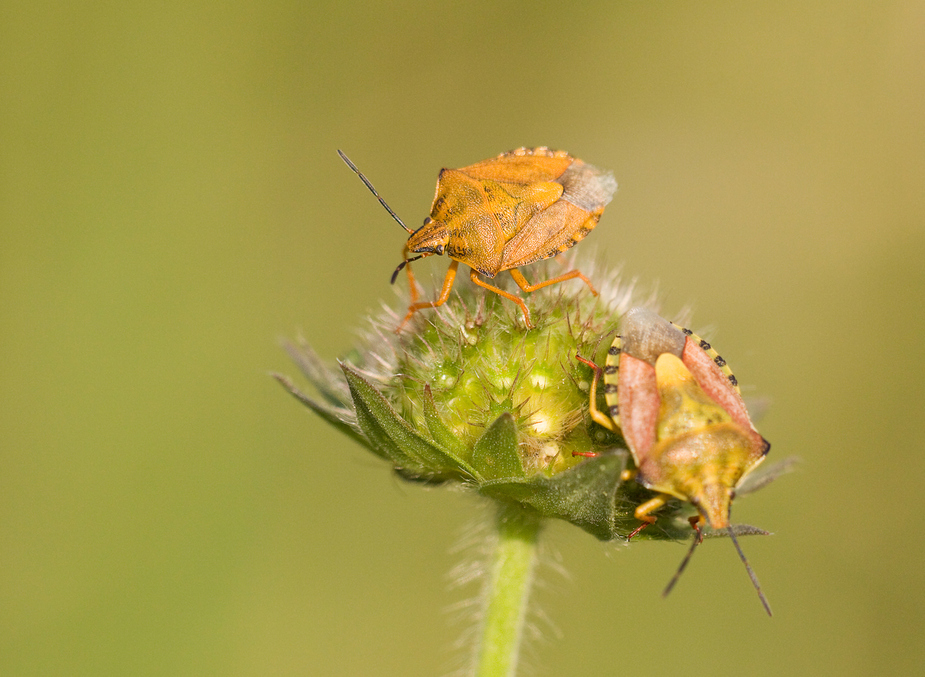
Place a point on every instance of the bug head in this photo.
(714, 502)
(430, 238)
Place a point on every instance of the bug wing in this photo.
(587, 187)
(586, 190)
(549, 233)
(715, 383)
(639, 406)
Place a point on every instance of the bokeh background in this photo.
(171, 204)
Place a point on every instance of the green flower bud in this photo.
(465, 394)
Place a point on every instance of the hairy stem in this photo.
(507, 592)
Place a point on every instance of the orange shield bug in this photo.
(504, 213)
(680, 411)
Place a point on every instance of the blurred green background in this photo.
(171, 204)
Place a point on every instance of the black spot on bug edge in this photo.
(611, 369)
(615, 411)
(610, 389)
(705, 345)
(733, 380)
(720, 362)
(686, 331)
(767, 447)
(614, 350)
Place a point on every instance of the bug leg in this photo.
(596, 414)
(643, 510)
(526, 286)
(412, 284)
(444, 294)
(520, 302)
(412, 288)
(697, 522)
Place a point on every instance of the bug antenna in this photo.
(698, 539)
(372, 190)
(397, 271)
(751, 574)
(402, 265)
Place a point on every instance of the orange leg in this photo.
(643, 510)
(444, 294)
(412, 287)
(526, 286)
(507, 295)
(649, 519)
(596, 414)
(697, 523)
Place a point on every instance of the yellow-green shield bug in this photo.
(679, 409)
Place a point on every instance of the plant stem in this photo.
(507, 592)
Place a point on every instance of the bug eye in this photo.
(439, 250)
